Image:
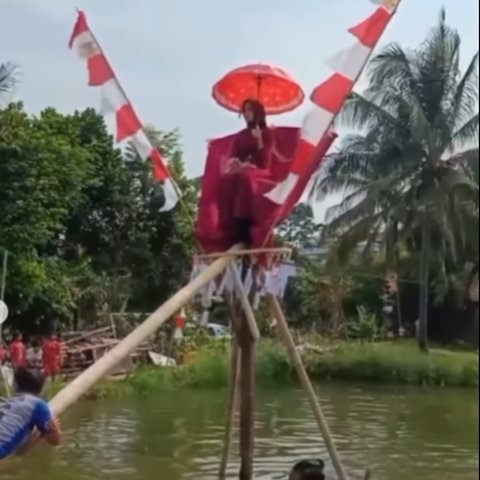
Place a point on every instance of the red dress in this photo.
(51, 357)
(18, 354)
(240, 188)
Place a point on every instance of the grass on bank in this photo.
(384, 362)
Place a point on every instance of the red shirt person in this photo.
(18, 352)
(3, 354)
(51, 357)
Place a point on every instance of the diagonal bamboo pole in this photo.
(245, 303)
(307, 385)
(78, 387)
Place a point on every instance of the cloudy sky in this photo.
(167, 54)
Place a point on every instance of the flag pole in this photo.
(384, 4)
(122, 90)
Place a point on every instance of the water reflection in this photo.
(399, 433)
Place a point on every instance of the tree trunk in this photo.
(422, 333)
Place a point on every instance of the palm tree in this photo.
(8, 77)
(407, 170)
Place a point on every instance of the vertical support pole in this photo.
(4, 274)
(231, 407)
(247, 398)
(2, 297)
(232, 401)
(307, 385)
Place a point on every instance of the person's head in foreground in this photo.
(308, 470)
(28, 382)
(23, 413)
(254, 114)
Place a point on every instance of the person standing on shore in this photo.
(35, 356)
(51, 357)
(18, 352)
(3, 353)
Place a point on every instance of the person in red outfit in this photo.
(51, 357)
(246, 174)
(18, 352)
(3, 353)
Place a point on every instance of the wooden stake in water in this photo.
(232, 395)
(247, 398)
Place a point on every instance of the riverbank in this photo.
(383, 362)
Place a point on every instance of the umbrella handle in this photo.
(259, 86)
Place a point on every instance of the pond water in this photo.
(400, 433)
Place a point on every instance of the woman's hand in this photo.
(258, 135)
(246, 165)
(232, 165)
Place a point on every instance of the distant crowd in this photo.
(45, 355)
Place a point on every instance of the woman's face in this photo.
(248, 113)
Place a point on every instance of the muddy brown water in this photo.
(399, 433)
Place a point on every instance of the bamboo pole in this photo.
(247, 397)
(2, 297)
(234, 386)
(231, 406)
(250, 251)
(248, 314)
(78, 387)
(307, 385)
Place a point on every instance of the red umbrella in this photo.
(272, 86)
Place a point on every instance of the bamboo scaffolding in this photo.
(307, 385)
(78, 387)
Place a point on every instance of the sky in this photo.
(168, 54)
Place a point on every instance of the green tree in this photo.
(166, 264)
(82, 221)
(8, 77)
(406, 172)
(40, 183)
(300, 229)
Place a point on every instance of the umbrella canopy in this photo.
(272, 86)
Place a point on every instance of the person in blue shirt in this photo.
(24, 413)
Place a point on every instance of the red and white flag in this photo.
(114, 101)
(329, 98)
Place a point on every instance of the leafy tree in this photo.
(407, 171)
(81, 220)
(41, 177)
(300, 229)
(8, 77)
